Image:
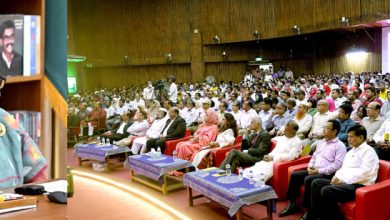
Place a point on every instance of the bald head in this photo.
(322, 106)
(373, 110)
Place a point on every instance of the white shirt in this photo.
(148, 93)
(360, 165)
(268, 77)
(157, 126)
(166, 129)
(120, 129)
(289, 74)
(136, 103)
(339, 101)
(6, 60)
(319, 123)
(173, 92)
(138, 128)
(190, 116)
(246, 118)
(225, 138)
(236, 115)
(121, 110)
(380, 133)
(110, 111)
(286, 148)
(304, 124)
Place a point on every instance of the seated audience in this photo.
(174, 128)
(236, 112)
(326, 160)
(190, 114)
(254, 146)
(266, 111)
(206, 133)
(139, 143)
(226, 137)
(303, 120)
(288, 148)
(381, 138)
(345, 121)
(95, 119)
(360, 168)
(121, 131)
(247, 114)
(319, 120)
(373, 121)
(276, 122)
(137, 129)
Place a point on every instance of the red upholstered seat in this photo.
(219, 154)
(371, 202)
(280, 178)
(170, 145)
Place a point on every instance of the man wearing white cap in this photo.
(139, 144)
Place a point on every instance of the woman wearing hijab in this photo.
(20, 158)
(206, 133)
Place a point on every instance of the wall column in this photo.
(198, 72)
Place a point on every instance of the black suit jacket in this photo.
(176, 130)
(128, 124)
(260, 147)
(16, 66)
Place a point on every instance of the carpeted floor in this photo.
(202, 209)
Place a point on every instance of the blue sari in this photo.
(20, 158)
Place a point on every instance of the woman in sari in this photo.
(21, 161)
(206, 133)
(226, 137)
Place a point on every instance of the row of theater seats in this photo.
(370, 203)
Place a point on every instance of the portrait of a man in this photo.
(10, 60)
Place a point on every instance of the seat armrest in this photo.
(372, 201)
(294, 168)
(220, 154)
(280, 177)
(170, 145)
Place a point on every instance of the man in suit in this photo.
(121, 131)
(10, 61)
(175, 128)
(254, 148)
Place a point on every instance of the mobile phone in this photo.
(221, 173)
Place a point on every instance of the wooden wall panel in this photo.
(110, 77)
(341, 64)
(146, 30)
(235, 21)
(227, 71)
(327, 13)
(290, 13)
(374, 10)
(299, 67)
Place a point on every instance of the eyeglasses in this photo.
(2, 82)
